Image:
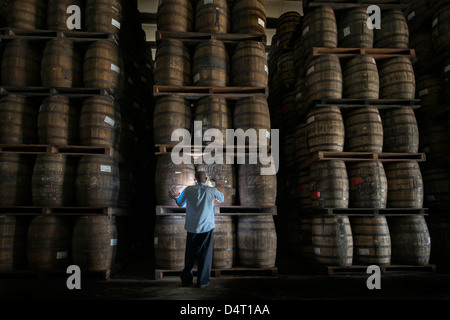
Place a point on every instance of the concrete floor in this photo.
(134, 283)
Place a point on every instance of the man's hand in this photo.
(173, 194)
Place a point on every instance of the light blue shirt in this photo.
(199, 204)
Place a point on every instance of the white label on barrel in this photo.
(310, 119)
(306, 30)
(115, 23)
(346, 31)
(208, 1)
(110, 121)
(411, 15)
(115, 68)
(113, 242)
(447, 68)
(155, 240)
(435, 22)
(373, 60)
(364, 251)
(310, 70)
(267, 134)
(266, 68)
(61, 255)
(317, 250)
(261, 22)
(423, 92)
(379, 118)
(105, 168)
(196, 77)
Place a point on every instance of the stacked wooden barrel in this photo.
(327, 86)
(428, 22)
(181, 115)
(75, 83)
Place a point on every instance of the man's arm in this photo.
(179, 199)
(219, 195)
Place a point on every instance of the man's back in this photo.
(199, 207)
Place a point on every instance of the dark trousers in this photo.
(199, 248)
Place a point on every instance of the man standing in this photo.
(199, 201)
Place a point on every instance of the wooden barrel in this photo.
(57, 122)
(16, 172)
(98, 181)
(332, 240)
(171, 113)
(175, 15)
(304, 192)
(434, 140)
(329, 184)
(300, 96)
(428, 89)
(27, 14)
(397, 79)
(352, 29)
(211, 65)
(368, 184)
(100, 122)
(416, 11)
(57, 14)
(103, 66)
(319, 29)
(18, 120)
(394, 32)
(371, 240)
(441, 28)
(286, 74)
(170, 242)
(170, 176)
(49, 243)
(400, 130)
(287, 24)
(301, 144)
(360, 78)
(61, 64)
(212, 16)
(214, 113)
(405, 185)
(248, 16)
(436, 184)
(325, 129)
(324, 78)
(306, 242)
(421, 41)
(103, 16)
(256, 241)
(21, 63)
(223, 177)
(224, 243)
(256, 189)
(94, 242)
(363, 130)
(410, 240)
(13, 242)
(252, 113)
(53, 180)
(172, 63)
(249, 65)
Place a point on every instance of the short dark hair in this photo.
(200, 176)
